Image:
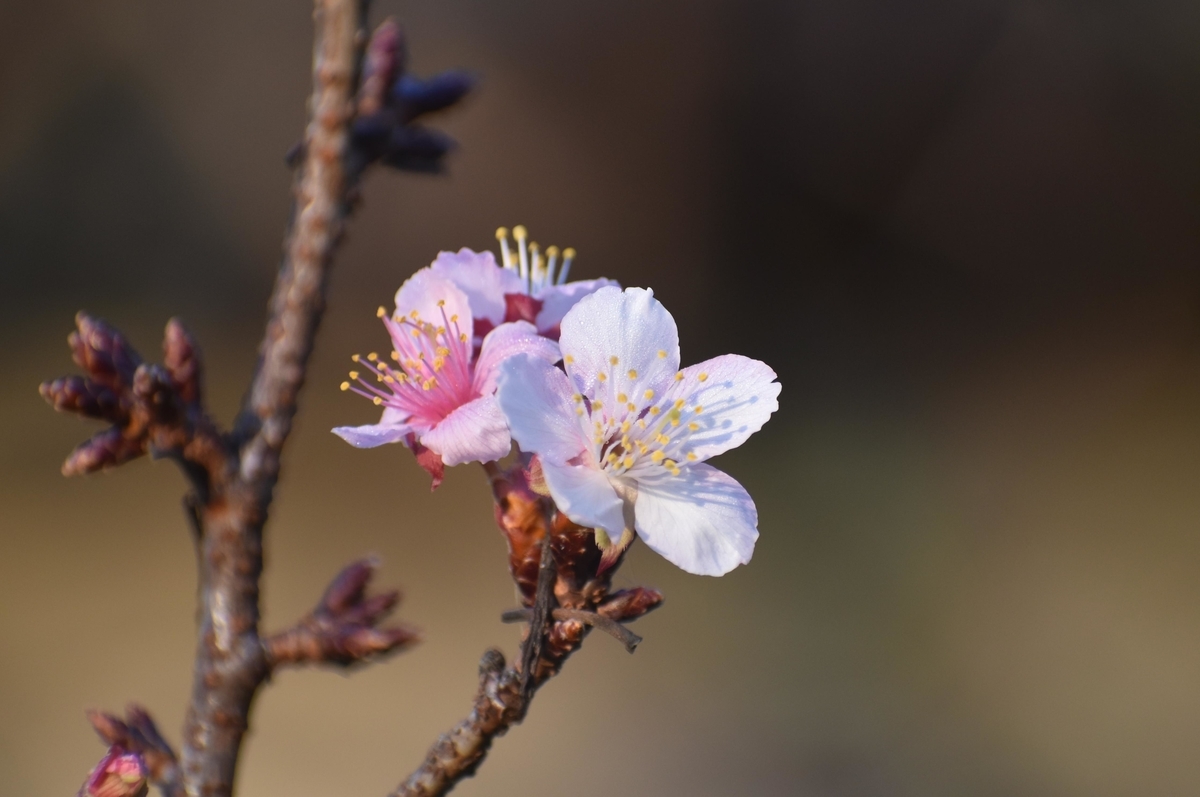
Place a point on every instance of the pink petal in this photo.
(736, 398)
(537, 400)
(390, 429)
(483, 282)
(584, 494)
(558, 299)
(475, 432)
(505, 341)
(702, 521)
(424, 290)
(630, 325)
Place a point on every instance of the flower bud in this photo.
(119, 774)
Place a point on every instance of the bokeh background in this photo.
(966, 235)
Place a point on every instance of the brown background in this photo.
(964, 233)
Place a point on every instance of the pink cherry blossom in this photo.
(529, 287)
(438, 394)
(623, 434)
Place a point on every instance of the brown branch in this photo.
(231, 662)
(344, 627)
(499, 705)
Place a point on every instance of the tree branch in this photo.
(231, 662)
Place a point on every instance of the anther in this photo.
(568, 359)
(698, 409)
(679, 404)
(703, 377)
(519, 232)
(662, 354)
(613, 359)
(627, 463)
(501, 233)
(631, 406)
(354, 374)
(693, 426)
(377, 401)
(603, 377)
(395, 355)
(632, 374)
(649, 394)
(679, 376)
(622, 398)
(380, 313)
(345, 386)
(373, 356)
(691, 456)
(441, 302)
(354, 357)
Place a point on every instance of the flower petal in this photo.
(736, 397)
(422, 293)
(390, 429)
(537, 400)
(702, 521)
(506, 340)
(478, 276)
(475, 432)
(584, 494)
(558, 299)
(631, 326)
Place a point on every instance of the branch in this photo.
(568, 596)
(231, 662)
(344, 627)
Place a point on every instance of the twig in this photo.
(230, 660)
(539, 618)
(611, 627)
(499, 704)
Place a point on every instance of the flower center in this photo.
(536, 272)
(630, 426)
(433, 372)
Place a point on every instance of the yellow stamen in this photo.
(373, 356)
(441, 302)
(662, 354)
(354, 357)
(649, 394)
(691, 457)
(377, 401)
(679, 376)
(603, 377)
(345, 386)
(698, 409)
(703, 377)
(655, 410)
(622, 398)
(380, 313)
(679, 404)
(501, 233)
(657, 457)
(568, 359)
(693, 426)
(613, 359)
(632, 374)
(631, 406)
(519, 232)
(395, 355)
(627, 463)
(354, 374)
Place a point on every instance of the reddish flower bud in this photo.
(119, 774)
(181, 358)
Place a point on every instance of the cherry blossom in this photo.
(438, 394)
(623, 434)
(531, 286)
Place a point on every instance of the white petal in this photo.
(424, 290)
(373, 435)
(584, 494)
(484, 282)
(475, 432)
(702, 521)
(558, 299)
(736, 397)
(537, 400)
(630, 325)
(507, 340)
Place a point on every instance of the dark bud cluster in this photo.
(151, 407)
(137, 733)
(390, 103)
(344, 628)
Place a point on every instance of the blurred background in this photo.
(965, 234)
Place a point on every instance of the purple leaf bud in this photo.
(414, 96)
(103, 352)
(105, 450)
(181, 358)
(86, 397)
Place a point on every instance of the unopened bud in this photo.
(119, 774)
